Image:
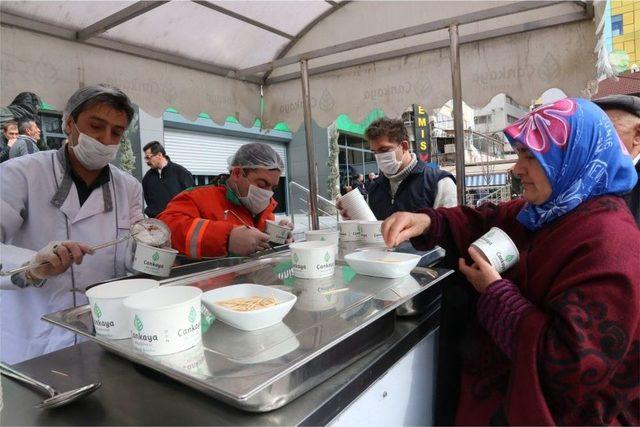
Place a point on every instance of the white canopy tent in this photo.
(245, 58)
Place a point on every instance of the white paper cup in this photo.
(277, 233)
(192, 360)
(350, 231)
(316, 294)
(498, 249)
(110, 318)
(356, 206)
(165, 320)
(313, 260)
(155, 261)
(371, 231)
(331, 236)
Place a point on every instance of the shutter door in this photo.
(207, 154)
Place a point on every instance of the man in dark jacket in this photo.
(164, 180)
(27, 142)
(406, 184)
(624, 112)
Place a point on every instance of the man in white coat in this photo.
(54, 206)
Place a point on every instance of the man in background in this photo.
(27, 142)
(9, 136)
(164, 180)
(624, 112)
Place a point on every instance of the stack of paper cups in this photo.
(356, 206)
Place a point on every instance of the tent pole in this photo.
(458, 124)
(311, 155)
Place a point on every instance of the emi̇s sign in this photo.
(422, 133)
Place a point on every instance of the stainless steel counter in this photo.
(134, 395)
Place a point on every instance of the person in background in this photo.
(406, 184)
(228, 219)
(25, 106)
(9, 136)
(370, 178)
(27, 142)
(358, 183)
(164, 180)
(554, 340)
(624, 112)
(54, 206)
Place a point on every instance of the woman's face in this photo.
(537, 188)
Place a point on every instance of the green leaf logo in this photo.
(97, 311)
(295, 257)
(509, 258)
(155, 256)
(192, 315)
(327, 257)
(137, 323)
(322, 239)
(359, 229)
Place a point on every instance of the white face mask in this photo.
(388, 163)
(257, 199)
(93, 154)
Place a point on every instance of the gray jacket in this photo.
(23, 145)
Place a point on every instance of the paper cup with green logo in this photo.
(498, 248)
(155, 261)
(371, 231)
(277, 233)
(108, 313)
(350, 231)
(192, 360)
(313, 260)
(165, 320)
(330, 236)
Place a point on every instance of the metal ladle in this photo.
(55, 399)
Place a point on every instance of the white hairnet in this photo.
(86, 93)
(256, 155)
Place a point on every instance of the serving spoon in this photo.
(55, 399)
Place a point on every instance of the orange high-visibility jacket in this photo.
(198, 224)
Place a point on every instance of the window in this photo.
(481, 120)
(511, 119)
(616, 25)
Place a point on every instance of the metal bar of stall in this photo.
(311, 155)
(458, 125)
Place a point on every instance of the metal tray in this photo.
(335, 321)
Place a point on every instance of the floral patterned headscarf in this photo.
(580, 152)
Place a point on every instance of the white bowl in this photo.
(249, 320)
(277, 233)
(165, 320)
(249, 347)
(109, 315)
(313, 260)
(382, 263)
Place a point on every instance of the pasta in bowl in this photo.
(248, 306)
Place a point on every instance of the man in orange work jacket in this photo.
(197, 219)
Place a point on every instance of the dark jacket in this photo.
(417, 191)
(160, 188)
(633, 198)
(360, 186)
(24, 145)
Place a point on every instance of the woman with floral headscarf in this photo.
(555, 339)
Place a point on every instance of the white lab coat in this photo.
(35, 208)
